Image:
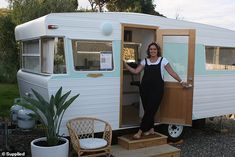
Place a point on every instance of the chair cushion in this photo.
(92, 143)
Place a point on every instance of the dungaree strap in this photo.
(161, 61)
(146, 61)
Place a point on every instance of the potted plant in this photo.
(50, 114)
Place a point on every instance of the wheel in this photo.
(174, 132)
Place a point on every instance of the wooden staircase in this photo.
(148, 146)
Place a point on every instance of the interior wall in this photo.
(145, 37)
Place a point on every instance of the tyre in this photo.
(174, 132)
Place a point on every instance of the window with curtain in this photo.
(92, 55)
(31, 56)
(45, 55)
(220, 58)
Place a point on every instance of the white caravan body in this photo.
(101, 81)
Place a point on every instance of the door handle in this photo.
(188, 86)
(190, 78)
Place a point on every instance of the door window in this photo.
(177, 54)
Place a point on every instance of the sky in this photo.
(219, 13)
(3, 3)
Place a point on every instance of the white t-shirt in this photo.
(164, 63)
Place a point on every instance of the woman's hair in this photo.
(158, 49)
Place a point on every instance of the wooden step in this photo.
(129, 143)
(154, 151)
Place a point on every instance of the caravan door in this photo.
(178, 46)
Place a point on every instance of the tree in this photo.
(22, 11)
(148, 7)
(98, 5)
(177, 14)
(139, 6)
(124, 6)
(26, 10)
(4, 12)
(9, 55)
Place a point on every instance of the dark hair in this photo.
(158, 49)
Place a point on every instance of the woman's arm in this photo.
(172, 72)
(132, 70)
(175, 75)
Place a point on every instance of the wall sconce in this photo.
(106, 28)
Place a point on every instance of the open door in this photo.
(178, 46)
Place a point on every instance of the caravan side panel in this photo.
(99, 98)
(214, 96)
(28, 81)
(213, 89)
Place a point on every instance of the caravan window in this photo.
(220, 58)
(31, 56)
(92, 55)
(45, 55)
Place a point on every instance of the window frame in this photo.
(40, 55)
(92, 40)
(30, 55)
(224, 69)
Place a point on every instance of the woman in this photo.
(152, 86)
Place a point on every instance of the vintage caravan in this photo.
(83, 52)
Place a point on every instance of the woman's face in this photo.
(153, 51)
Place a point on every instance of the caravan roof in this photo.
(88, 26)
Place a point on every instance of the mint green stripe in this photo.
(71, 73)
(200, 63)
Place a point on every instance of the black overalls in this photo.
(151, 92)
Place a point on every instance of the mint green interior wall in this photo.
(71, 73)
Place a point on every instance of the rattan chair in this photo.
(82, 134)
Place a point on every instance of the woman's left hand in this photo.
(185, 84)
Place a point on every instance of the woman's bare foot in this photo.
(137, 135)
(150, 132)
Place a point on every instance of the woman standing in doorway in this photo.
(152, 86)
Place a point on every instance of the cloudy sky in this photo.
(3, 3)
(219, 13)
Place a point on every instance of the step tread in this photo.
(128, 142)
(129, 138)
(164, 150)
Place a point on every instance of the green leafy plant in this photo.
(49, 113)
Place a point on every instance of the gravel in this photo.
(211, 140)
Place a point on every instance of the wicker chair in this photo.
(83, 138)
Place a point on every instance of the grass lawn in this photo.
(8, 92)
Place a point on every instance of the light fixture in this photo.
(106, 28)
